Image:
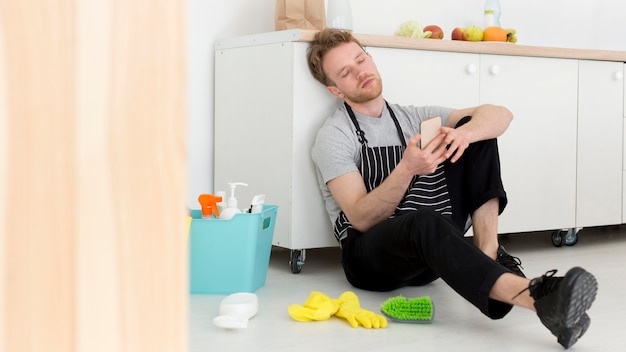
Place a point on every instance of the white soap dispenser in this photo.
(231, 203)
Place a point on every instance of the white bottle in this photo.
(231, 203)
(221, 205)
(256, 206)
(494, 6)
(339, 15)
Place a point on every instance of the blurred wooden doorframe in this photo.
(92, 175)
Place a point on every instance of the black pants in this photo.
(474, 179)
(418, 247)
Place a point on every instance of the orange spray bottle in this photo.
(209, 205)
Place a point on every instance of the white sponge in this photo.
(236, 310)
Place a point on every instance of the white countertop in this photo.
(387, 41)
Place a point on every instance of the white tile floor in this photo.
(458, 326)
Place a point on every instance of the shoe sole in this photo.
(570, 336)
(578, 289)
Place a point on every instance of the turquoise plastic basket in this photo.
(227, 256)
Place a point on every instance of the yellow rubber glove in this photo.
(317, 307)
(350, 309)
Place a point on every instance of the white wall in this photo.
(584, 24)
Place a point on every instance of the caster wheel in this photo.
(558, 238)
(571, 238)
(296, 260)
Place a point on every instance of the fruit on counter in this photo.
(474, 33)
(511, 35)
(494, 34)
(436, 31)
(458, 33)
(477, 34)
(412, 29)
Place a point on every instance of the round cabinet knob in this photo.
(471, 69)
(619, 75)
(494, 70)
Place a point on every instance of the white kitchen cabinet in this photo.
(600, 136)
(561, 157)
(537, 168)
(624, 154)
(538, 151)
(267, 109)
(421, 77)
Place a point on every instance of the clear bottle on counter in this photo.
(490, 19)
(492, 13)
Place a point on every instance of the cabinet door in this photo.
(252, 131)
(267, 144)
(538, 151)
(419, 77)
(310, 226)
(600, 120)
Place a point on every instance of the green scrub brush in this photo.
(419, 310)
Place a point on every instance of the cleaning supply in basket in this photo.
(409, 310)
(221, 205)
(231, 202)
(256, 206)
(208, 203)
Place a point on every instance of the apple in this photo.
(474, 34)
(437, 32)
(458, 33)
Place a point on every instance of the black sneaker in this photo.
(562, 302)
(514, 264)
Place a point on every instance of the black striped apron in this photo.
(378, 162)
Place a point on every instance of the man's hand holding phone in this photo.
(429, 129)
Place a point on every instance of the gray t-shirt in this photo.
(337, 150)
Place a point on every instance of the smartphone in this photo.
(429, 129)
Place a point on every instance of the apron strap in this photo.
(359, 132)
(395, 121)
